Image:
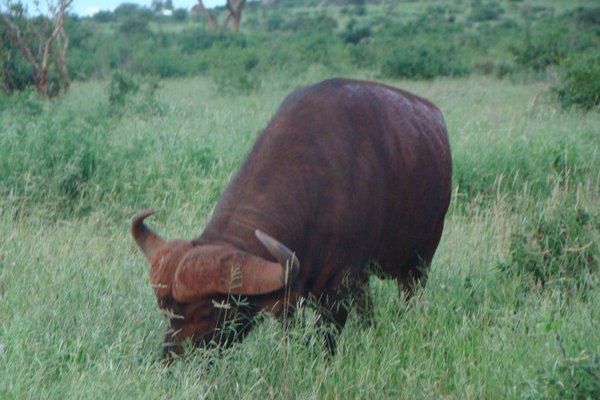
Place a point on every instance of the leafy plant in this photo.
(488, 11)
(423, 59)
(558, 246)
(132, 92)
(575, 377)
(580, 85)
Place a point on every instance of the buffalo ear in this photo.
(164, 265)
(216, 269)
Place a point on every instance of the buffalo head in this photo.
(193, 284)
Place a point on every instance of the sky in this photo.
(90, 7)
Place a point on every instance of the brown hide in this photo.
(347, 172)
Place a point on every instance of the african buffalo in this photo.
(347, 173)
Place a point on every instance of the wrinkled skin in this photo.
(347, 173)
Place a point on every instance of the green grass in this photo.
(78, 318)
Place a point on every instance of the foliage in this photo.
(588, 16)
(16, 72)
(519, 258)
(180, 14)
(574, 376)
(557, 246)
(79, 318)
(418, 60)
(237, 71)
(133, 93)
(120, 87)
(487, 11)
(551, 41)
(411, 40)
(134, 26)
(580, 84)
(354, 34)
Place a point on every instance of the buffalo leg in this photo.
(362, 300)
(418, 267)
(333, 321)
(352, 292)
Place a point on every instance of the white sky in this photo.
(90, 7)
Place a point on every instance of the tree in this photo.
(48, 41)
(157, 6)
(235, 13)
(234, 17)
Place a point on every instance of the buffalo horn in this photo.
(284, 256)
(147, 240)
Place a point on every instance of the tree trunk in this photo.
(235, 12)
(63, 43)
(212, 22)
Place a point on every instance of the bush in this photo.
(133, 92)
(485, 11)
(423, 59)
(551, 41)
(559, 245)
(135, 26)
(573, 377)
(540, 48)
(275, 22)
(589, 17)
(580, 85)
(120, 86)
(236, 70)
(194, 40)
(180, 14)
(304, 22)
(353, 34)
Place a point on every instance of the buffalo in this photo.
(348, 174)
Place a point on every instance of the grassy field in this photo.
(512, 308)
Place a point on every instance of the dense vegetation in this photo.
(162, 117)
(416, 40)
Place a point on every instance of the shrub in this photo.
(236, 70)
(275, 22)
(551, 41)
(120, 86)
(194, 40)
(589, 16)
(580, 85)
(15, 72)
(532, 12)
(304, 22)
(573, 377)
(103, 16)
(485, 11)
(133, 92)
(540, 48)
(423, 59)
(180, 14)
(353, 34)
(135, 26)
(559, 245)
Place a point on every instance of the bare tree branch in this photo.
(40, 64)
(59, 18)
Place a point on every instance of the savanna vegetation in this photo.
(162, 110)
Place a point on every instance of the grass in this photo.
(78, 318)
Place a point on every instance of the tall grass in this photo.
(78, 318)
